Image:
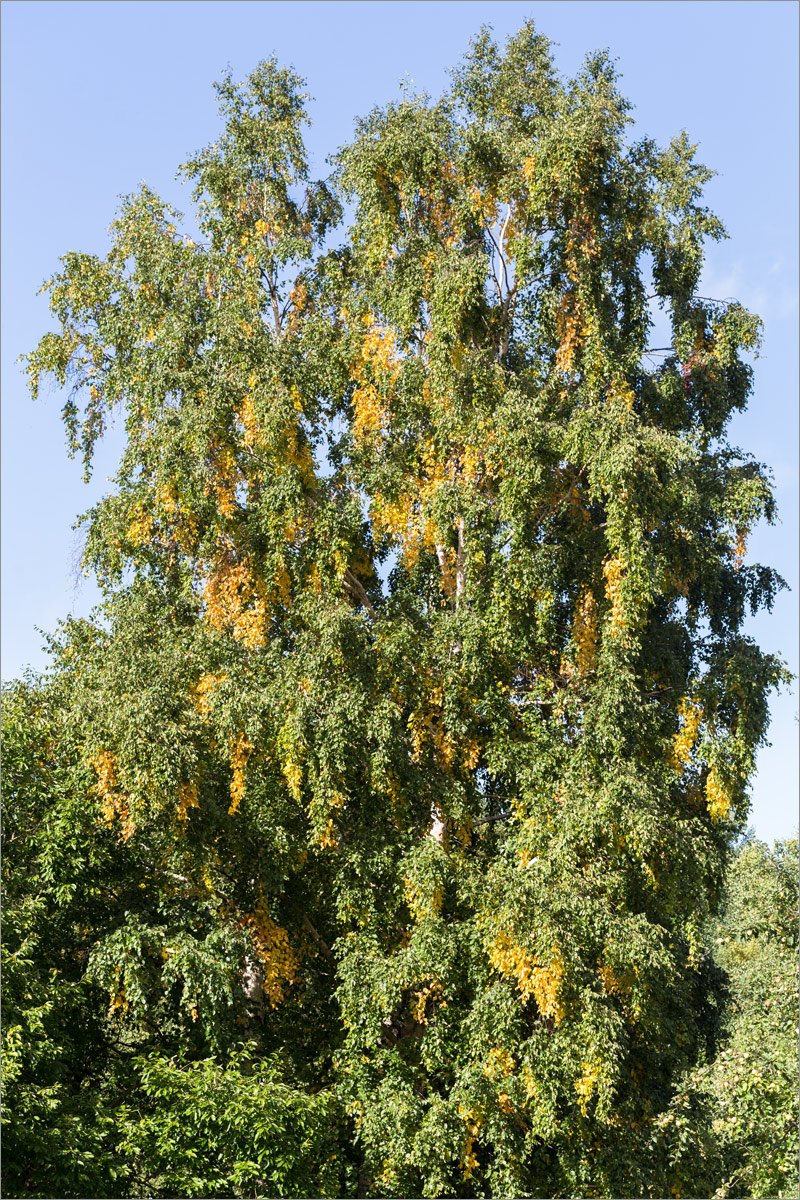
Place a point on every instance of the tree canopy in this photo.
(379, 813)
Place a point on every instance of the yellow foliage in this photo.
(473, 1121)
(585, 1084)
(293, 773)
(327, 839)
(426, 724)
(532, 1088)
(571, 330)
(613, 984)
(240, 752)
(430, 989)
(613, 572)
(690, 713)
(532, 978)
(204, 692)
(584, 632)
(674, 579)
(423, 901)
(740, 545)
(403, 520)
(581, 239)
(235, 600)
(187, 798)
(298, 452)
(278, 958)
(388, 1176)
(114, 803)
(378, 359)
(119, 1004)
(119, 1000)
(406, 516)
(499, 1064)
(471, 753)
(224, 476)
(183, 521)
(105, 765)
(484, 205)
(624, 393)
(573, 322)
(717, 799)
(141, 526)
(298, 300)
(247, 415)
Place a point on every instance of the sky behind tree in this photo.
(98, 97)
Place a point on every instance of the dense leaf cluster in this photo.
(378, 815)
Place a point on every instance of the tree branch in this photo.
(460, 553)
(323, 945)
(354, 585)
(273, 292)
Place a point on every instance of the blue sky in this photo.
(99, 96)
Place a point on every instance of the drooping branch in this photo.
(354, 585)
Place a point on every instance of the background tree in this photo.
(753, 1085)
(418, 685)
(744, 1100)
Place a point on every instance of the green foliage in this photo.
(117, 978)
(236, 1130)
(56, 1139)
(749, 1092)
(411, 738)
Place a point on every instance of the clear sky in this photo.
(98, 96)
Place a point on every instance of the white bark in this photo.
(460, 569)
(438, 828)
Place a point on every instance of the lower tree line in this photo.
(140, 1059)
